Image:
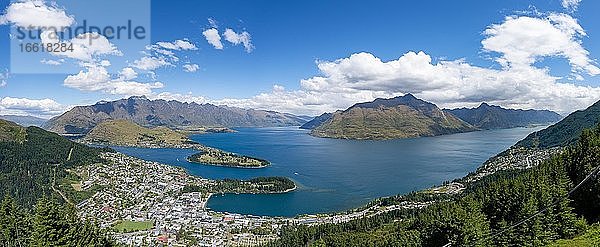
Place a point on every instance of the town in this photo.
(143, 203)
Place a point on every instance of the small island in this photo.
(210, 156)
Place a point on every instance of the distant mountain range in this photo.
(24, 120)
(565, 132)
(318, 120)
(495, 117)
(399, 117)
(172, 114)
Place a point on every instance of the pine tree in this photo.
(14, 225)
(49, 228)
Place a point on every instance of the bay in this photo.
(336, 175)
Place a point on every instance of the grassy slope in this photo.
(10, 131)
(124, 132)
(387, 123)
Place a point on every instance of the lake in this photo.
(336, 175)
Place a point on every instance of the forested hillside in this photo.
(565, 132)
(31, 160)
(49, 224)
(484, 215)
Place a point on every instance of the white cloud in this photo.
(52, 62)
(213, 23)
(190, 67)
(241, 38)
(523, 40)
(86, 46)
(151, 63)
(49, 19)
(127, 74)
(517, 43)
(213, 38)
(177, 45)
(364, 77)
(36, 107)
(164, 52)
(104, 63)
(36, 14)
(302, 101)
(97, 78)
(570, 5)
(189, 98)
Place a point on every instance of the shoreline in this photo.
(195, 146)
(210, 194)
(367, 203)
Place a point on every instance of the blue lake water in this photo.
(336, 175)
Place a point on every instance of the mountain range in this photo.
(495, 117)
(399, 117)
(406, 116)
(318, 120)
(172, 114)
(24, 120)
(565, 132)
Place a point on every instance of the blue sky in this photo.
(302, 60)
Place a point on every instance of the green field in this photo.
(132, 226)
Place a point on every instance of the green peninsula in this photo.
(217, 157)
(126, 133)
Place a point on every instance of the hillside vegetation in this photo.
(400, 117)
(590, 238)
(32, 213)
(127, 133)
(30, 157)
(565, 132)
(10, 131)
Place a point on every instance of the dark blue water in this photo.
(335, 175)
